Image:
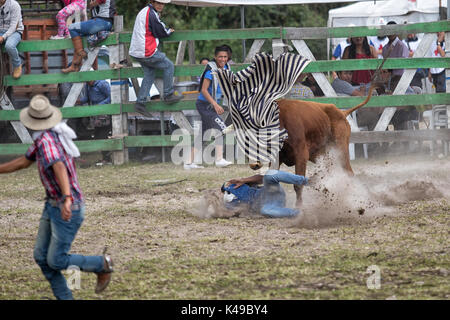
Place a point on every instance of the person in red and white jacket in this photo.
(148, 28)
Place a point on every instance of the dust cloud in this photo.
(374, 191)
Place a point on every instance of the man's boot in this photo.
(104, 277)
(78, 55)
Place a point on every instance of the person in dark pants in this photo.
(97, 92)
(54, 151)
(208, 104)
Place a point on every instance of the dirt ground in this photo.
(392, 217)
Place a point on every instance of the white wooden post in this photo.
(255, 48)
(119, 122)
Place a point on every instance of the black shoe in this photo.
(173, 97)
(140, 107)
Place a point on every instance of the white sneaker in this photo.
(56, 37)
(189, 166)
(223, 163)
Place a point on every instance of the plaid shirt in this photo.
(47, 150)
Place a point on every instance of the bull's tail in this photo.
(349, 111)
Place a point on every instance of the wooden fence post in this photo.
(118, 95)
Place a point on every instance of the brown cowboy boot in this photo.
(104, 277)
(78, 55)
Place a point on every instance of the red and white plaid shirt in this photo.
(46, 150)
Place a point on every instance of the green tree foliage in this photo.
(195, 18)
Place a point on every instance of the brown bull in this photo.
(313, 128)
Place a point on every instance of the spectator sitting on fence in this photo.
(313, 85)
(103, 12)
(147, 30)
(343, 86)
(437, 75)
(269, 199)
(299, 90)
(70, 8)
(11, 29)
(398, 50)
(360, 49)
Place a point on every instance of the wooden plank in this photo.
(99, 145)
(386, 100)
(322, 81)
(7, 149)
(361, 31)
(255, 48)
(20, 129)
(226, 34)
(255, 33)
(196, 70)
(63, 44)
(158, 106)
(149, 141)
(399, 135)
(83, 145)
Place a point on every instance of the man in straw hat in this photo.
(54, 152)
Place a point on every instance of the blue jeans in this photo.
(274, 203)
(11, 48)
(86, 28)
(157, 61)
(53, 242)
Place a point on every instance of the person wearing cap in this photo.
(148, 29)
(268, 199)
(11, 29)
(54, 151)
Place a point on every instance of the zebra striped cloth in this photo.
(252, 95)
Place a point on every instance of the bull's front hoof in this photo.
(255, 166)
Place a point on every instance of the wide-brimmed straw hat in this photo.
(163, 1)
(40, 114)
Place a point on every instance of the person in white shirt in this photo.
(437, 75)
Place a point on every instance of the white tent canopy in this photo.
(381, 12)
(217, 3)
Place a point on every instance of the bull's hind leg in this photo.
(301, 158)
(341, 132)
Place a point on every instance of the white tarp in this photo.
(381, 12)
(217, 3)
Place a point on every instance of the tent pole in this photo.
(244, 51)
